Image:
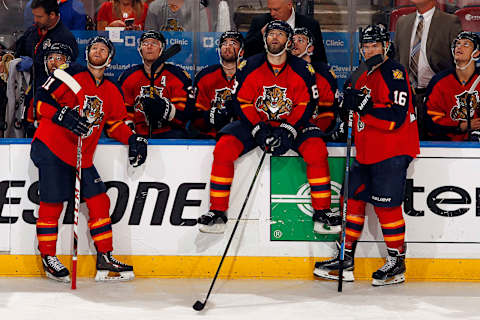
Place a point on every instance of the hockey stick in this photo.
(469, 103)
(70, 82)
(167, 54)
(198, 305)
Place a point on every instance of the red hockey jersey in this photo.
(102, 105)
(171, 83)
(389, 129)
(284, 96)
(447, 104)
(325, 111)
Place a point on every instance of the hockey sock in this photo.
(99, 223)
(47, 227)
(315, 155)
(393, 227)
(355, 221)
(227, 150)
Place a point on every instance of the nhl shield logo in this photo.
(459, 111)
(93, 111)
(274, 102)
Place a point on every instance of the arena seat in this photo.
(397, 13)
(470, 18)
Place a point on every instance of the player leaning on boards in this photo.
(452, 99)
(53, 151)
(275, 97)
(386, 140)
(161, 110)
(214, 85)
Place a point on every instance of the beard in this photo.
(275, 48)
(228, 58)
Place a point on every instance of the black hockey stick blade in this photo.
(198, 306)
(167, 54)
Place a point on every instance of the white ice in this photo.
(39, 298)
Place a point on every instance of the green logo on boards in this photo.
(290, 205)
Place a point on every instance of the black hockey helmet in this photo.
(279, 25)
(60, 48)
(304, 32)
(472, 36)
(153, 34)
(106, 41)
(374, 33)
(231, 35)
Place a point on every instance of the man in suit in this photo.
(283, 10)
(423, 41)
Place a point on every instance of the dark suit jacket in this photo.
(254, 39)
(444, 28)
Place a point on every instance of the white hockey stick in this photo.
(70, 82)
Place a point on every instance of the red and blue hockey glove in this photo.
(357, 101)
(70, 119)
(137, 150)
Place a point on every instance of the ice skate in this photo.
(213, 222)
(326, 222)
(110, 269)
(328, 269)
(392, 272)
(54, 269)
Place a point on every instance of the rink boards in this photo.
(154, 210)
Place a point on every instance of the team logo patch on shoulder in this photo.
(333, 73)
(310, 69)
(398, 74)
(93, 110)
(460, 110)
(186, 74)
(242, 64)
(274, 102)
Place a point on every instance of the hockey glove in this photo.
(218, 117)
(137, 150)
(70, 119)
(357, 101)
(262, 133)
(339, 133)
(158, 108)
(284, 137)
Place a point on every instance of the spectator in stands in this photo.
(72, 14)
(129, 14)
(283, 10)
(177, 15)
(454, 113)
(423, 41)
(38, 38)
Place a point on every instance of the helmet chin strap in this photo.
(105, 65)
(305, 52)
(275, 54)
(221, 60)
(469, 61)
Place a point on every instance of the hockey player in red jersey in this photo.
(275, 97)
(325, 110)
(386, 140)
(165, 113)
(53, 151)
(214, 86)
(453, 106)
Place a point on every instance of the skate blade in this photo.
(321, 228)
(216, 228)
(65, 279)
(333, 274)
(105, 275)
(399, 278)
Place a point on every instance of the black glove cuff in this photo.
(290, 128)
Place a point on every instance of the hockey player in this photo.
(214, 86)
(165, 110)
(53, 151)
(386, 140)
(325, 110)
(275, 97)
(450, 106)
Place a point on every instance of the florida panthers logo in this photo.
(172, 25)
(459, 111)
(274, 102)
(145, 92)
(93, 111)
(221, 96)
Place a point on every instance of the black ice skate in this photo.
(54, 269)
(393, 271)
(213, 222)
(326, 222)
(328, 269)
(109, 268)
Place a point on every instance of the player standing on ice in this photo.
(275, 97)
(163, 110)
(386, 140)
(214, 86)
(53, 151)
(324, 113)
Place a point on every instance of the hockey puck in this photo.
(198, 306)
